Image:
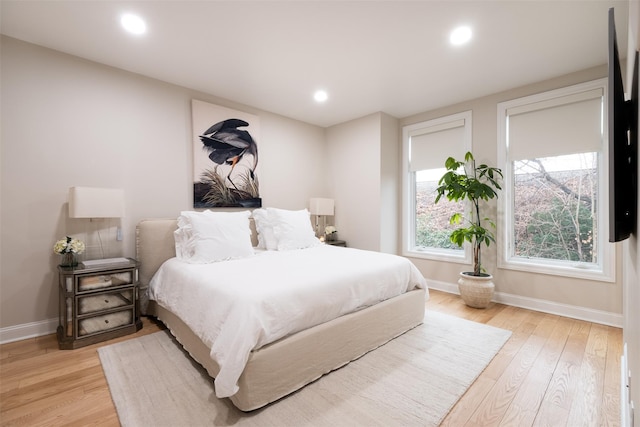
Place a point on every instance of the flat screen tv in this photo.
(623, 144)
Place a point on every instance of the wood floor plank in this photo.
(611, 392)
(51, 366)
(549, 373)
(28, 348)
(499, 398)
(557, 401)
(512, 347)
(464, 409)
(509, 318)
(586, 405)
(78, 380)
(528, 399)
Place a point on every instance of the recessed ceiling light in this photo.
(460, 35)
(320, 96)
(133, 24)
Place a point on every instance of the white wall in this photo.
(390, 184)
(353, 167)
(363, 174)
(67, 121)
(631, 253)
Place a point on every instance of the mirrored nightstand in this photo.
(97, 303)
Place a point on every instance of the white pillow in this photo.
(264, 227)
(292, 229)
(182, 235)
(204, 237)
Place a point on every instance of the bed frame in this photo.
(290, 363)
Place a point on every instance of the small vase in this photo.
(331, 237)
(69, 260)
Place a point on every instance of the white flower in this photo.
(330, 229)
(68, 245)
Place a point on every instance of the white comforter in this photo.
(240, 305)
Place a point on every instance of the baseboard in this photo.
(28, 330)
(626, 404)
(451, 288)
(625, 419)
(545, 306)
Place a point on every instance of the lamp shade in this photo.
(91, 202)
(318, 206)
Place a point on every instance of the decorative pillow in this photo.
(292, 229)
(264, 227)
(204, 237)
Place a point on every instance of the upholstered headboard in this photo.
(155, 244)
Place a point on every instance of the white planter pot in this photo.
(476, 291)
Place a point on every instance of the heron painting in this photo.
(225, 158)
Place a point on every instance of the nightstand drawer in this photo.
(94, 325)
(101, 281)
(105, 301)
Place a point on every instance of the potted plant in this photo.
(466, 181)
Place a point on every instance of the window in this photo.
(553, 152)
(426, 146)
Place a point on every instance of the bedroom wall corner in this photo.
(390, 184)
(362, 170)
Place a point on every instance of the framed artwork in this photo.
(225, 157)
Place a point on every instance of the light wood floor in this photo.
(553, 371)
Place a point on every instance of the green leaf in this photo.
(456, 218)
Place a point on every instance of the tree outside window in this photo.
(432, 228)
(555, 214)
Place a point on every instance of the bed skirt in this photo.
(290, 363)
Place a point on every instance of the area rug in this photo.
(413, 380)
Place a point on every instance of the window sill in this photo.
(436, 255)
(575, 270)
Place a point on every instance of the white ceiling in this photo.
(390, 56)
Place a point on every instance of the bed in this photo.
(283, 365)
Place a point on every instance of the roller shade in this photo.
(556, 127)
(431, 146)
